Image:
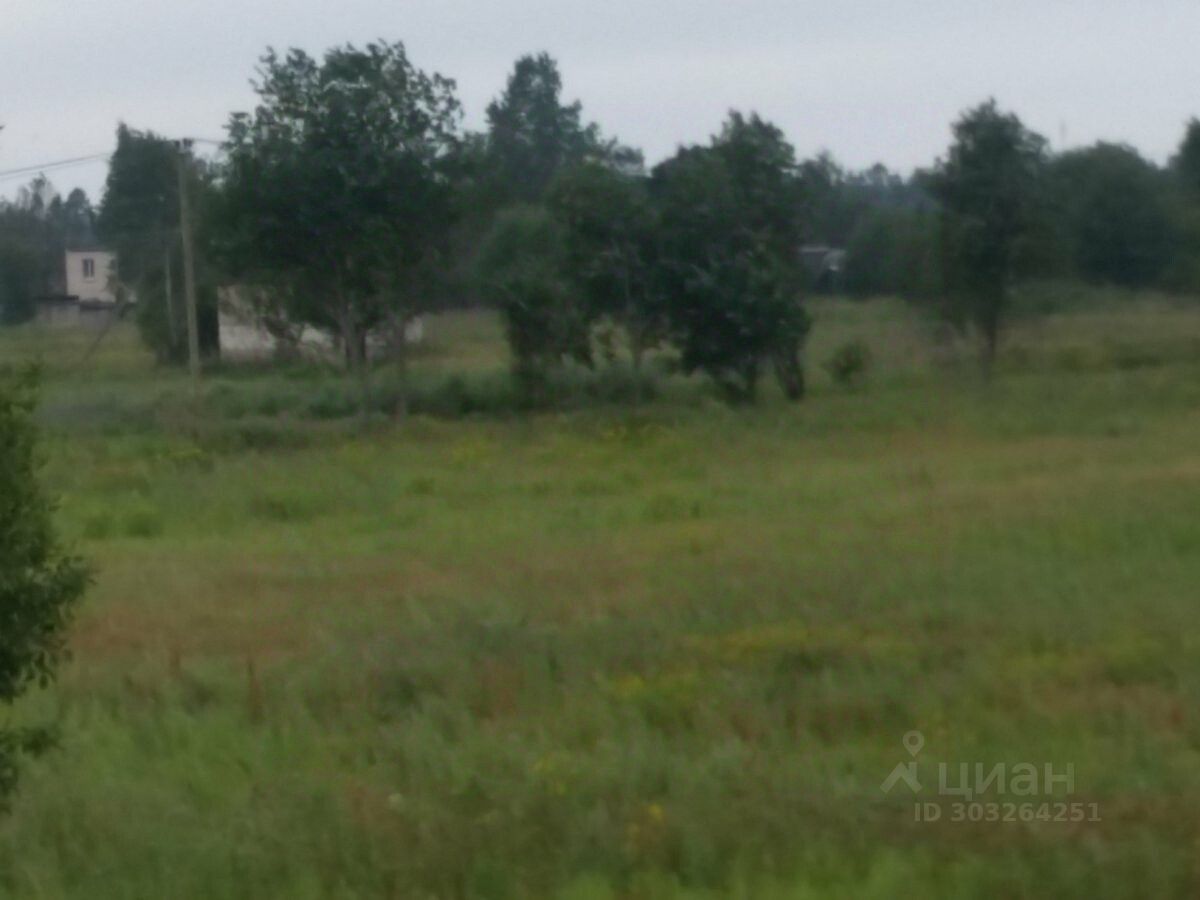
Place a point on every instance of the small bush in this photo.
(456, 396)
(98, 526)
(259, 436)
(143, 522)
(285, 506)
(332, 403)
(849, 364)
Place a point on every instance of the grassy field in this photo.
(603, 653)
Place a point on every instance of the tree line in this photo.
(35, 230)
(351, 199)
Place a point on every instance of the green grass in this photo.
(600, 653)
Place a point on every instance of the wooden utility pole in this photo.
(184, 148)
(169, 284)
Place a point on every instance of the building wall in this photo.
(91, 284)
(72, 315)
(244, 337)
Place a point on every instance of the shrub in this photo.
(39, 583)
(522, 272)
(143, 522)
(849, 364)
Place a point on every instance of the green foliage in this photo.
(522, 272)
(894, 251)
(729, 238)
(836, 202)
(989, 186)
(35, 231)
(39, 583)
(605, 655)
(336, 201)
(533, 135)
(1184, 273)
(1112, 207)
(162, 319)
(849, 363)
(140, 219)
(73, 222)
(612, 250)
(19, 269)
(139, 215)
(1186, 163)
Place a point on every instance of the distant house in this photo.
(92, 277)
(826, 266)
(89, 297)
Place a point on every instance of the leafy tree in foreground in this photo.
(522, 272)
(39, 584)
(730, 238)
(337, 198)
(988, 186)
(612, 251)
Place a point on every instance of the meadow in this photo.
(612, 652)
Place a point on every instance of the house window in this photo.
(89, 269)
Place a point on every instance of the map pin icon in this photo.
(914, 741)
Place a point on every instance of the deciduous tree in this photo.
(533, 134)
(611, 234)
(1187, 162)
(1112, 206)
(730, 248)
(523, 272)
(989, 186)
(1185, 269)
(20, 264)
(336, 193)
(139, 218)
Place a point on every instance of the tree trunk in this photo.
(789, 371)
(364, 380)
(990, 326)
(637, 351)
(357, 361)
(988, 357)
(400, 350)
(990, 319)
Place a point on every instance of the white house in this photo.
(91, 277)
(246, 334)
(86, 294)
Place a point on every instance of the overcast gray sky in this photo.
(869, 80)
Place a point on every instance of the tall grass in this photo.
(599, 653)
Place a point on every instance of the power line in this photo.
(59, 164)
(81, 160)
(23, 172)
